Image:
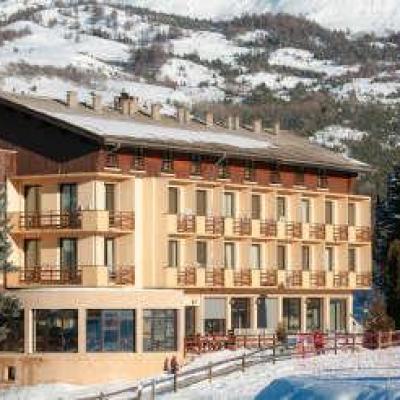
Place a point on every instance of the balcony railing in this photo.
(51, 220)
(124, 220)
(364, 280)
(48, 275)
(294, 278)
(122, 275)
(294, 230)
(242, 226)
(269, 278)
(187, 277)
(341, 233)
(186, 223)
(242, 278)
(363, 234)
(215, 225)
(317, 231)
(215, 277)
(268, 228)
(341, 279)
(318, 279)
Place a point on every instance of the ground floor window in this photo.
(159, 330)
(56, 330)
(338, 315)
(267, 313)
(240, 312)
(314, 314)
(110, 330)
(292, 314)
(13, 339)
(190, 321)
(215, 315)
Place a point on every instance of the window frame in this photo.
(173, 253)
(281, 262)
(256, 265)
(173, 207)
(232, 208)
(232, 255)
(256, 211)
(202, 246)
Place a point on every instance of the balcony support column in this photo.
(303, 307)
(139, 330)
(326, 313)
(81, 331)
(29, 331)
(228, 313)
(254, 314)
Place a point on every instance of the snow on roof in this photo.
(137, 130)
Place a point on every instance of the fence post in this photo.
(245, 341)
(175, 381)
(336, 346)
(354, 343)
(379, 339)
(153, 390)
(259, 341)
(273, 348)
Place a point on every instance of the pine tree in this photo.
(377, 319)
(10, 311)
(5, 244)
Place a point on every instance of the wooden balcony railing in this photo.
(215, 225)
(186, 223)
(124, 220)
(294, 230)
(215, 277)
(364, 280)
(51, 220)
(187, 277)
(242, 226)
(341, 279)
(268, 228)
(341, 233)
(363, 234)
(317, 231)
(294, 278)
(122, 275)
(242, 278)
(269, 278)
(51, 275)
(318, 279)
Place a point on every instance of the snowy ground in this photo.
(346, 376)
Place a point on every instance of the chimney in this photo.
(277, 127)
(96, 102)
(124, 104)
(181, 115)
(72, 99)
(133, 105)
(257, 125)
(155, 112)
(209, 119)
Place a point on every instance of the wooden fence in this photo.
(260, 350)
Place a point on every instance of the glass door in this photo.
(338, 315)
(32, 206)
(68, 206)
(32, 260)
(109, 256)
(240, 312)
(68, 258)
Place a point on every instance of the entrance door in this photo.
(338, 315)
(190, 321)
(267, 313)
(240, 310)
(68, 259)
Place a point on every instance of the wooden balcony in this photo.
(317, 231)
(51, 275)
(294, 230)
(341, 233)
(186, 223)
(187, 277)
(122, 275)
(50, 220)
(242, 226)
(294, 278)
(242, 278)
(214, 225)
(341, 279)
(269, 278)
(363, 234)
(318, 279)
(122, 220)
(268, 228)
(215, 277)
(364, 280)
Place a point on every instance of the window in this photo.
(255, 256)
(68, 254)
(305, 258)
(229, 255)
(352, 214)
(292, 314)
(275, 176)
(338, 315)
(167, 163)
(111, 159)
(256, 206)
(329, 258)
(281, 257)
(138, 159)
(305, 211)
(223, 170)
(159, 330)
(229, 204)
(322, 180)
(352, 259)
(280, 208)
(110, 330)
(173, 200)
(299, 177)
(13, 339)
(173, 253)
(201, 253)
(314, 314)
(267, 313)
(110, 197)
(249, 171)
(215, 316)
(190, 321)
(68, 198)
(56, 331)
(329, 212)
(240, 313)
(201, 202)
(109, 254)
(32, 199)
(195, 168)
(31, 254)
